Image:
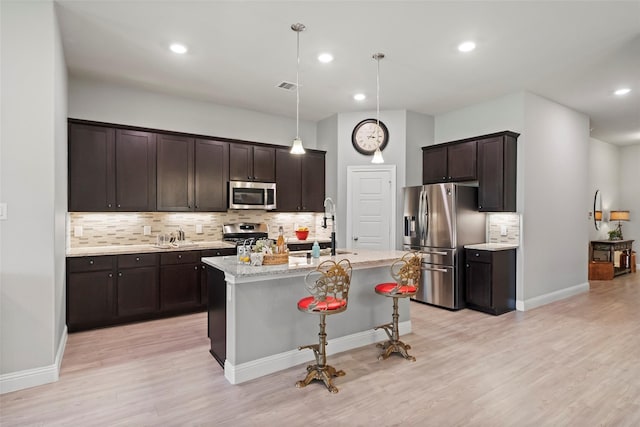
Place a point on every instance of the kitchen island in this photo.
(254, 323)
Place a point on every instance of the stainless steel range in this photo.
(239, 232)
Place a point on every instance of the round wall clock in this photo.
(366, 134)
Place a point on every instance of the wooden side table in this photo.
(602, 258)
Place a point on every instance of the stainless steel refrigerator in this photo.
(439, 219)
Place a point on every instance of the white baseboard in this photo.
(37, 376)
(267, 365)
(551, 297)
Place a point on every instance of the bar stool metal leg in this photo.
(320, 371)
(393, 345)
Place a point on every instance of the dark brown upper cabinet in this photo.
(300, 181)
(497, 157)
(249, 162)
(211, 172)
(192, 174)
(175, 173)
(449, 162)
(111, 169)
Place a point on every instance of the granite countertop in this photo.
(492, 246)
(148, 248)
(298, 264)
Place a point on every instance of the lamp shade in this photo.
(598, 215)
(619, 216)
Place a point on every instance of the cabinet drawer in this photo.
(478, 256)
(95, 263)
(137, 260)
(218, 252)
(180, 257)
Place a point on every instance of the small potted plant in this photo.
(615, 234)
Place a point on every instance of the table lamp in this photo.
(619, 216)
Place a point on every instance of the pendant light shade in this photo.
(296, 146)
(377, 155)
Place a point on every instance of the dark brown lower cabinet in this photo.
(90, 292)
(109, 290)
(491, 280)
(217, 314)
(179, 280)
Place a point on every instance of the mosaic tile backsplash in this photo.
(495, 222)
(126, 228)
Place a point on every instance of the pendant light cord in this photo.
(378, 101)
(298, 86)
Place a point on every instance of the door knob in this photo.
(355, 239)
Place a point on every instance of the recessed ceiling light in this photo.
(325, 58)
(466, 46)
(359, 97)
(178, 48)
(622, 91)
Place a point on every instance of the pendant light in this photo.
(296, 147)
(377, 155)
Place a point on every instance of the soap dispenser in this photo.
(315, 250)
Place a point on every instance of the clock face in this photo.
(366, 135)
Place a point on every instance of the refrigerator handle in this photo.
(421, 217)
(425, 207)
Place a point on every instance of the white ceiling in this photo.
(575, 53)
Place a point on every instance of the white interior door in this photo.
(371, 207)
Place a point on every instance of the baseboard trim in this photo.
(242, 372)
(551, 297)
(27, 378)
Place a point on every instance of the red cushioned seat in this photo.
(330, 303)
(387, 288)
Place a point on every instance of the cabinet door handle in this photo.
(477, 254)
(90, 262)
(119, 205)
(468, 266)
(442, 270)
(137, 258)
(120, 274)
(110, 274)
(109, 205)
(179, 256)
(195, 268)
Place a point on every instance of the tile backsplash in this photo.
(510, 222)
(126, 228)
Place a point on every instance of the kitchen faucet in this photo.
(332, 212)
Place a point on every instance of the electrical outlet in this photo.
(146, 229)
(3, 211)
(503, 230)
(77, 231)
(198, 228)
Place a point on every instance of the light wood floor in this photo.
(575, 362)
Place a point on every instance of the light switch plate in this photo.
(198, 228)
(503, 230)
(77, 231)
(3, 211)
(146, 230)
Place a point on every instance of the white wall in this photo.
(552, 177)
(420, 133)
(556, 200)
(394, 154)
(33, 184)
(629, 196)
(91, 99)
(604, 175)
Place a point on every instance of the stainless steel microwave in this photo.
(252, 195)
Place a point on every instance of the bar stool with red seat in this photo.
(406, 273)
(329, 286)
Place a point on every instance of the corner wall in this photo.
(33, 184)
